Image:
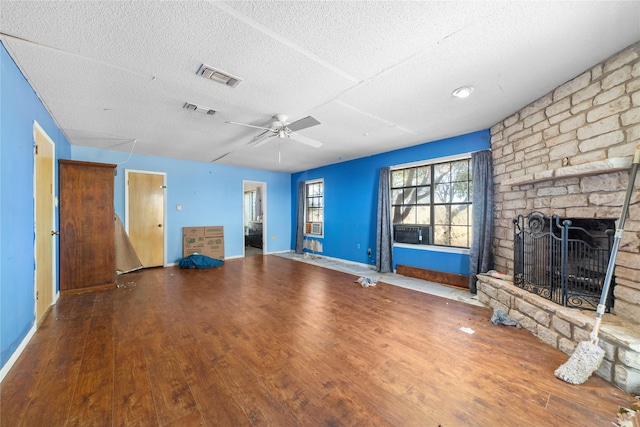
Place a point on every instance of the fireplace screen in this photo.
(563, 260)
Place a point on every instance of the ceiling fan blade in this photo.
(257, 140)
(262, 135)
(250, 126)
(303, 123)
(306, 140)
(263, 141)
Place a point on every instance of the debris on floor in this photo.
(365, 282)
(501, 318)
(628, 418)
(128, 285)
(467, 330)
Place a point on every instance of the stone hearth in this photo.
(563, 328)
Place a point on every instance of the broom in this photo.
(588, 355)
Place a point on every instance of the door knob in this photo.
(159, 225)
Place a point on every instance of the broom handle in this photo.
(616, 244)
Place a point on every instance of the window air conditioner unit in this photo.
(316, 228)
(413, 234)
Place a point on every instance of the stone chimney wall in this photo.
(569, 153)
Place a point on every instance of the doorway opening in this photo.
(253, 217)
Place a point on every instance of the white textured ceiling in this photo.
(377, 75)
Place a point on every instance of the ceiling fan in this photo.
(282, 129)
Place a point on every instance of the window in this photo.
(314, 207)
(435, 199)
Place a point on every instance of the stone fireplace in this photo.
(568, 154)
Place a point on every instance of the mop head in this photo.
(585, 361)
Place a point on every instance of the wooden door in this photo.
(87, 226)
(145, 221)
(44, 220)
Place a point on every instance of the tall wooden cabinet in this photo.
(87, 255)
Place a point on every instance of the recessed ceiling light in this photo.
(462, 92)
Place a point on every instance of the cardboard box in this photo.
(207, 241)
(192, 232)
(217, 231)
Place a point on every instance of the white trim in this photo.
(164, 208)
(452, 158)
(16, 354)
(433, 248)
(281, 252)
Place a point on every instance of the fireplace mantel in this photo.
(586, 169)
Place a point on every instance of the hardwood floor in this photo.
(273, 342)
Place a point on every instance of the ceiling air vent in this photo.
(218, 76)
(193, 107)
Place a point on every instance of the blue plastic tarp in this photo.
(199, 261)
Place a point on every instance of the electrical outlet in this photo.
(358, 246)
(369, 251)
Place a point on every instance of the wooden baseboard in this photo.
(451, 279)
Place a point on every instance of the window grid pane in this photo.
(314, 203)
(438, 195)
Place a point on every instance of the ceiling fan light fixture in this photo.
(216, 75)
(462, 92)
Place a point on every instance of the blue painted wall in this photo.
(351, 198)
(210, 194)
(19, 107)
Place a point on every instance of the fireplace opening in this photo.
(563, 259)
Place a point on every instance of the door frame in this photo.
(55, 294)
(264, 214)
(164, 207)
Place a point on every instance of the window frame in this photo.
(321, 207)
(431, 163)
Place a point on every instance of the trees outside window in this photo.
(437, 195)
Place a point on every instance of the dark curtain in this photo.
(480, 254)
(384, 234)
(300, 219)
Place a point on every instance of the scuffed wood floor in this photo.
(273, 342)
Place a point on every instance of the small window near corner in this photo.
(314, 208)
